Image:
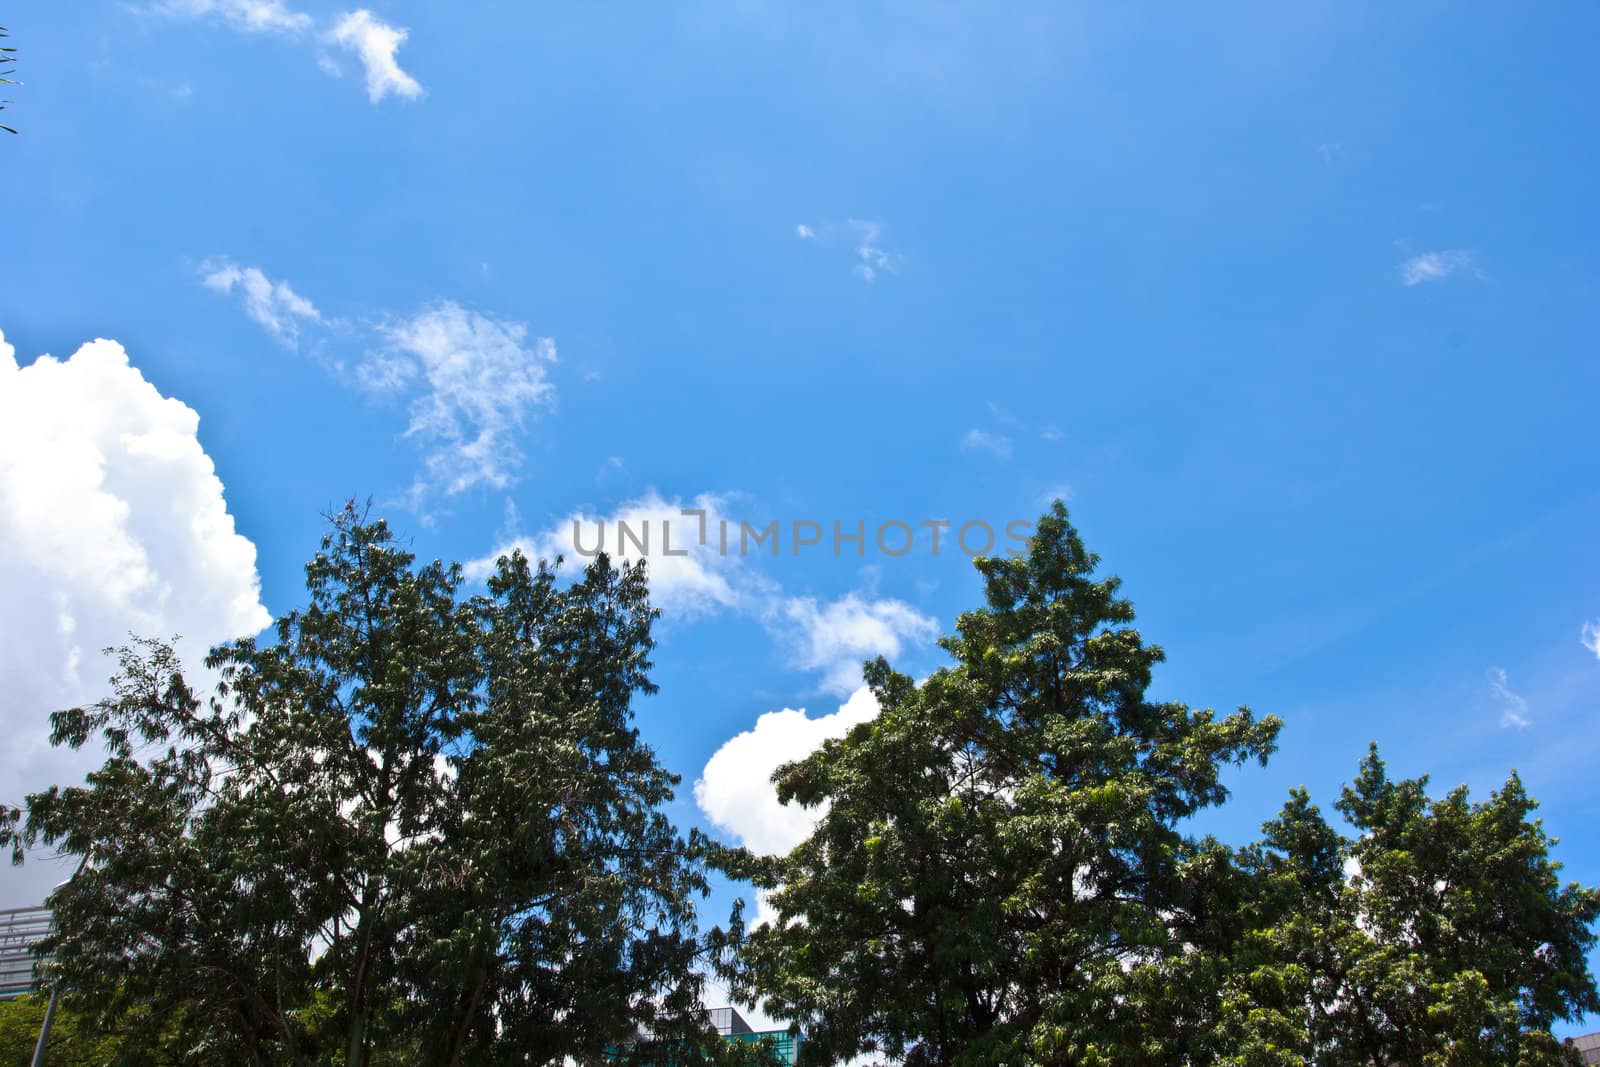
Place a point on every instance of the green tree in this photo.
(1439, 935)
(999, 854)
(413, 827)
(74, 1041)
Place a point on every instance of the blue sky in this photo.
(1297, 306)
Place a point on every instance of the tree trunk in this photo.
(356, 1040)
(458, 1044)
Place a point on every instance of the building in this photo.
(1588, 1045)
(20, 930)
(731, 1025)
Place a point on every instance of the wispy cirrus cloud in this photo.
(865, 238)
(1437, 266)
(874, 259)
(475, 381)
(994, 444)
(1513, 706)
(252, 16)
(471, 381)
(1006, 425)
(279, 310)
(1590, 637)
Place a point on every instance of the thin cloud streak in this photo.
(1513, 706)
(994, 444)
(252, 16)
(1437, 266)
(274, 305)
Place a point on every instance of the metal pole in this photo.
(55, 990)
(44, 1031)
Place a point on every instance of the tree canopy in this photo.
(1439, 934)
(1000, 848)
(413, 827)
(1000, 874)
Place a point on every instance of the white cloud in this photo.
(736, 792)
(112, 519)
(702, 581)
(865, 237)
(836, 637)
(1513, 707)
(277, 307)
(373, 41)
(698, 571)
(873, 257)
(472, 380)
(1591, 638)
(979, 441)
(255, 16)
(376, 42)
(475, 380)
(1437, 266)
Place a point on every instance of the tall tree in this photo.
(999, 850)
(413, 827)
(1439, 935)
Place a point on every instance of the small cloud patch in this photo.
(1437, 266)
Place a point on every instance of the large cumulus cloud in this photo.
(112, 519)
(736, 791)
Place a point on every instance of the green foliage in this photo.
(415, 827)
(420, 828)
(999, 876)
(1450, 942)
(74, 1041)
(1000, 850)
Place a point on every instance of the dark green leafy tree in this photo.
(1000, 858)
(413, 827)
(1440, 935)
